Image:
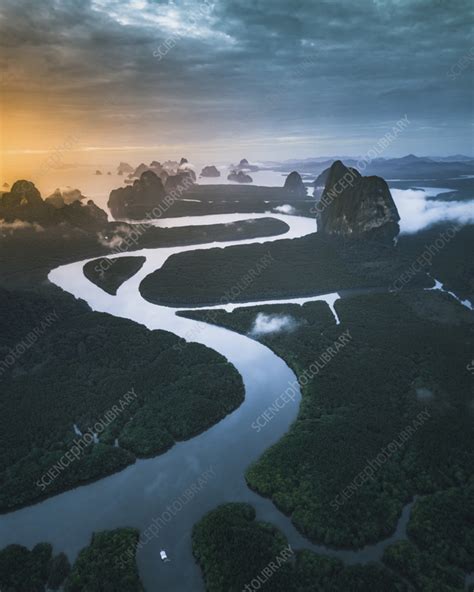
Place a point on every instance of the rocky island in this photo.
(24, 203)
(239, 177)
(210, 171)
(353, 206)
(244, 165)
(62, 196)
(139, 198)
(124, 168)
(294, 185)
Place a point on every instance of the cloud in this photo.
(11, 227)
(115, 238)
(417, 212)
(265, 324)
(285, 209)
(181, 20)
(335, 68)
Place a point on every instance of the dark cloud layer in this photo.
(266, 73)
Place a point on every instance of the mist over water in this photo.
(418, 212)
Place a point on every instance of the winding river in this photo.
(142, 492)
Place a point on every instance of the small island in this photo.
(110, 273)
(294, 185)
(210, 171)
(239, 177)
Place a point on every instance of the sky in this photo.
(222, 80)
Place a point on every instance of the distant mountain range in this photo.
(405, 168)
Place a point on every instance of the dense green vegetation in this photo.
(177, 392)
(311, 265)
(408, 354)
(422, 570)
(22, 570)
(59, 570)
(441, 545)
(227, 199)
(234, 550)
(299, 267)
(27, 256)
(110, 273)
(311, 318)
(96, 569)
(452, 264)
(153, 236)
(443, 525)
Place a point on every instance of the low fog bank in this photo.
(10, 227)
(417, 211)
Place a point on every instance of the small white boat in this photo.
(163, 555)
